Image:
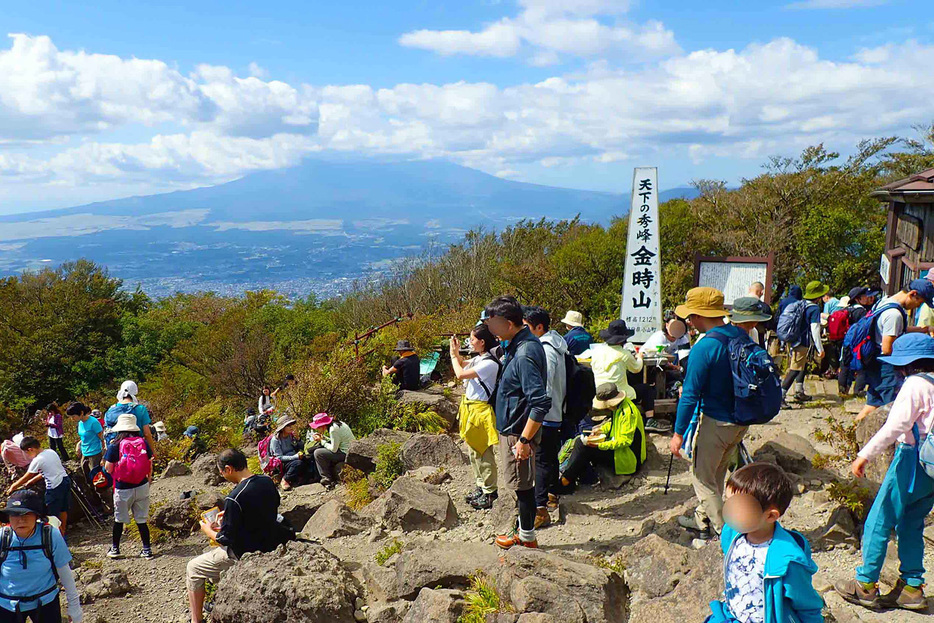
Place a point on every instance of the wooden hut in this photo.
(909, 236)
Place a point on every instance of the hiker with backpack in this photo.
(91, 436)
(546, 459)
(284, 445)
(33, 564)
(875, 335)
(475, 416)
(247, 523)
(129, 460)
(799, 328)
(127, 403)
(860, 302)
(577, 339)
(907, 493)
(46, 465)
(730, 383)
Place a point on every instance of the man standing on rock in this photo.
(708, 383)
(247, 524)
(546, 459)
(522, 403)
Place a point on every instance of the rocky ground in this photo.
(611, 555)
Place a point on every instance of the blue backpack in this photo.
(859, 337)
(757, 389)
(925, 446)
(792, 324)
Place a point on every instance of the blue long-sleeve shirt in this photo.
(708, 381)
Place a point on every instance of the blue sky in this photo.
(108, 99)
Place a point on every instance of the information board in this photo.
(734, 275)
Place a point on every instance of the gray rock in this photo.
(840, 529)
(431, 450)
(792, 452)
(572, 592)
(430, 474)
(209, 499)
(301, 579)
(435, 402)
(175, 469)
(388, 613)
(654, 566)
(205, 470)
(107, 583)
(441, 605)
(410, 504)
(335, 519)
(299, 505)
(362, 453)
(865, 429)
(929, 534)
(175, 515)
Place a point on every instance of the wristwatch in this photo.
(523, 441)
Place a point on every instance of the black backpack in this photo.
(580, 388)
(6, 546)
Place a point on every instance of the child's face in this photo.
(23, 525)
(744, 513)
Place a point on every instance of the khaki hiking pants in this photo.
(715, 445)
(484, 468)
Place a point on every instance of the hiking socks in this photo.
(788, 380)
(144, 534)
(527, 510)
(118, 532)
(799, 388)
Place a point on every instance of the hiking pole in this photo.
(671, 460)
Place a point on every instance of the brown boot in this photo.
(542, 518)
(857, 593)
(904, 596)
(552, 502)
(508, 541)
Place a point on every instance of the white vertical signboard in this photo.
(642, 292)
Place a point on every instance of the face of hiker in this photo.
(476, 345)
(743, 513)
(23, 525)
(500, 327)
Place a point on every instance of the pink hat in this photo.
(321, 420)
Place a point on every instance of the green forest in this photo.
(76, 332)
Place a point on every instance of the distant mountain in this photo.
(307, 229)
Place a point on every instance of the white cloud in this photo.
(835, 4)
(550, 28)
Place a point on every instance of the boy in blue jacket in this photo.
(767, 569)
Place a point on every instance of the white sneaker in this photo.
(114, 552)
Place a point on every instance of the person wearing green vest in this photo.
(617, 443)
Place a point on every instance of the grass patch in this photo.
(614, 564)
(92, 564)
(851, 495)
(388, 551)
(356, 488)
(389, 465)
(482, 600)
(842, 438)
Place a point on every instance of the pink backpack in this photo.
(134, 464)
(269, 464)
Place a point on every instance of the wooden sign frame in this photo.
(768, 260)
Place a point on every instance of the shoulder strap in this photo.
(499, 366)
(47, 547)
(6, 541)
(719, 336)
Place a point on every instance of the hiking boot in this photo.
(485, 501)
(542, 518)
(508, 541)
(113, 552)
(552, 504)
(904, 596)
(327, 484)
(802, 397)
(473, 495)
(653, 425)
(146, 553)
(689, 522)
(857, 593)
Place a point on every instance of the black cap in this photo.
(23, 502)
(857, 292)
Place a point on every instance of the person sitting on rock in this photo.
(248, 523)
(406, 370)
(332, 438)
(617, 441)
(297, 467)
(907, 493)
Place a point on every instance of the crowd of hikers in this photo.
(544, 413)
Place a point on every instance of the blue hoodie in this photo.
(794, 294)
(789, 594)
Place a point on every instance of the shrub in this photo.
(252, 464)
(388, 550)
(850, 494)
(482, 600)
(170, 450)
(220, 426)
(389, 465)
(842, 438)
(356, 488)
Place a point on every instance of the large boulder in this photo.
(411, 504)
(438, 403)
(301, 579)
(362, 453)
(301, 503)
(654, 567)
(207, 500)
(430, 474)
(175, 515)
(441, 605)
(175, 469)
(840, 529)
(335, 519)
(792, 452)
(107, 583)
(571, 592)
(431, 450)
(205, 470)
(435, 564)
(865, 429)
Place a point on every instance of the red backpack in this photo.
(270, 464)
(838, 324)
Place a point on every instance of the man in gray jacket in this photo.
(546, 459)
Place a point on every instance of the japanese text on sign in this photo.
(641, 308)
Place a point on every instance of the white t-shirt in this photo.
(660, 339)
(745, 581)
(486, 370)
(50, 466)
(890, 322)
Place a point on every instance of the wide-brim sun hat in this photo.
(748, 309)
(608, 397)
(126, 423)
(617, 333)
(815, 290)
(702, 301)
(844, 301)
(403, 346)
(159, 426)
(573, 319)
(909, 348)
(289, 421)
(321, 420)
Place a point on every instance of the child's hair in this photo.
(766, 482)
(77, 408)
(29, 443)
(232, 457)
(52, 407)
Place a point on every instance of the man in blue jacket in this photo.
(767, 570)
(708, 387)
(522, 402)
